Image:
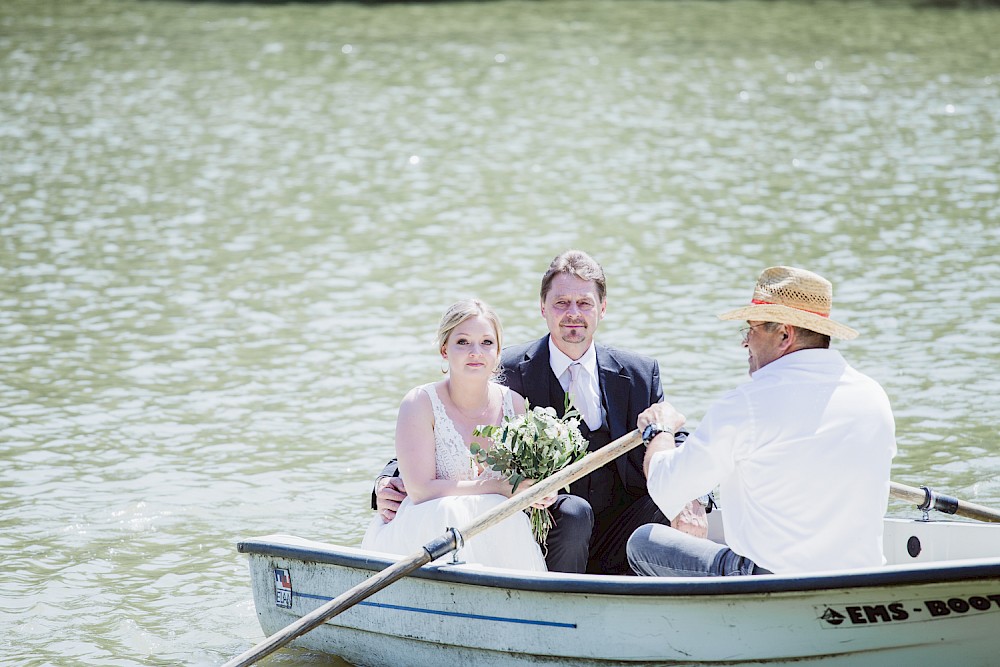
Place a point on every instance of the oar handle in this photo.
(437, 548)
(927, 499)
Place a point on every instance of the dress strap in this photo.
(508, 402)
(432, 394)
(437, 405)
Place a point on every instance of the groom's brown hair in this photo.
(575, 263)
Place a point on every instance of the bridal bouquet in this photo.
(532, 446)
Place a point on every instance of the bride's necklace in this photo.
(477, 416)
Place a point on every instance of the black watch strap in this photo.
(650, 432)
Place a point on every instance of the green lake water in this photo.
(227, 231)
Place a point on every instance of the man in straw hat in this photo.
(801, 453)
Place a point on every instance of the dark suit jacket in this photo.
(630, 383)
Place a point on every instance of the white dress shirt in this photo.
(560, 364)
(802, 455)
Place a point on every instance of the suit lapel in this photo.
(614, 394)
(536, 375)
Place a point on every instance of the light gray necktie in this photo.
(582, 393)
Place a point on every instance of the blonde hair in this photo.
(462, 310)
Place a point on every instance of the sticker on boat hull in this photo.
(881, 613)
(282, 588)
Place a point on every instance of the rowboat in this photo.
(936, 601)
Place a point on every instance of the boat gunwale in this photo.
(893, 575)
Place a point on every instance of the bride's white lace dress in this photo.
(508, 544)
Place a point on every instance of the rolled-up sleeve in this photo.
(680, 475)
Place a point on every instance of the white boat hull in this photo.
(917, 611)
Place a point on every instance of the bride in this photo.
(445, 486)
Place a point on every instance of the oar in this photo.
(437, 548)
(927, 499)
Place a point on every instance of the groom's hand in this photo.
(389, 492)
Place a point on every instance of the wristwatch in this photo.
(651, 431)
(708, 502)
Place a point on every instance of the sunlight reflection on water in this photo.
(227, 232)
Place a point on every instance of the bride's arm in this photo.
(415, 451)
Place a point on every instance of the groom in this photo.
(610, 388)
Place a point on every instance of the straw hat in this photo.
(793, 296)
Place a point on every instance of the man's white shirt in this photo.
(802, 456)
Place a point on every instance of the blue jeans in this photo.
(655, 550)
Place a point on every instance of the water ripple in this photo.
(227, 232)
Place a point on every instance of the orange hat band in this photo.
(759, 302)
